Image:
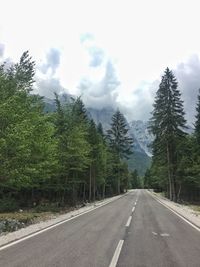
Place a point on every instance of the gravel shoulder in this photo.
(186, 211)
(23, 232)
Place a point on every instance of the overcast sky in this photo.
(111, 52)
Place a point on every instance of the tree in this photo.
(197, 123)
(119, 141)
(27, 148)
(167, 125)
(73, 147)
(135, 180)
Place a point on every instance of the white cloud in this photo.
(140, 38)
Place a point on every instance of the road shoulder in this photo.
(41, 226)
(183, 210)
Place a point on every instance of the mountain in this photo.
(140, 159)
(140, 130)
(102, 116)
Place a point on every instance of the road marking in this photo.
(129, 221)
(135, 203)
(164, 234)
(184, 219)
(133, 209)
(12, 243)
(116, 254)
(154, 233)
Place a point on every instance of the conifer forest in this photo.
(63, 157)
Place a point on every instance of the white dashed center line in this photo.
(129, 221)
(116, 254)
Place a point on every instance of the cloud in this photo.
(97, 56)
(188, 76)
(139, 104)
(52, 62)
(46, 81)
(102, 93)
(2, 49)
(46, 87)
(86, 37)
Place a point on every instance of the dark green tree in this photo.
(197, 123)
(167, 125)
(118, 136)
(120, 142)
(27, 148)
(135, 180)
(73, 149)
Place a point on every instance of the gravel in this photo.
(13, 236)
(184, 210)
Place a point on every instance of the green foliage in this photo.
(48, 160)
(119, 140)
(26, 135)
(120, 144)
(135, 180)
(8, 204)
(139, 161)
(175, 165)
(197, 123)
(167, 124)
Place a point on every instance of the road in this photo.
(134, 230)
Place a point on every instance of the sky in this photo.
(112, 53)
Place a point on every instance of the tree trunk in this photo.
(118, 184)
(104, 186)
(169, 173)
(94, 185)
(90, 184)
(83, 192)
(179, 192)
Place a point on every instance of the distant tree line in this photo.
(60, 157)
(175, 165)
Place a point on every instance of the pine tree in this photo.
(73, 149)
(120, 142)
(167, 125)
(26, 150)
(119, 139)
(197, 123)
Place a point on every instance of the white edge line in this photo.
(184, 219)
(12, 243)
(133, 209)
(129, 221)
(116, 254)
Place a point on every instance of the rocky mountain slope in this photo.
(140, 160)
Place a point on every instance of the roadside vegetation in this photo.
(50, 161)
(175, 168)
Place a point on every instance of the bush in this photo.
(10, 225)
(8, 204)
(53, 207)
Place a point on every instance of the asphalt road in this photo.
(134, 230)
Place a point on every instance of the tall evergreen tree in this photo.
(119, 139)
(167, 125)
(73, 147)
(197, 123)
(120, 142)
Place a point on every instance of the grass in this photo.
(26, 217)
(34, 215)
(195, 207)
